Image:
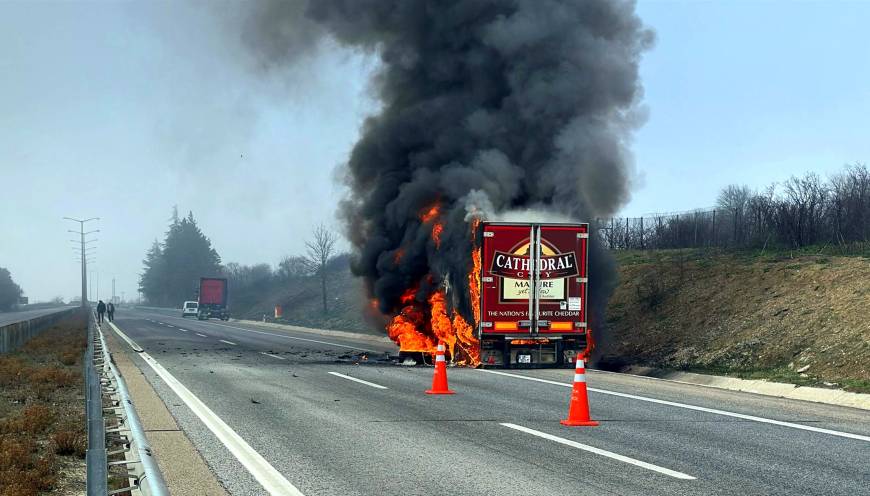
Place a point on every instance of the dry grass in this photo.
(42, 411)
(23, 469)
(71, 441)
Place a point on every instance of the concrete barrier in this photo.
(13, 336)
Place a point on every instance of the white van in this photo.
(190, 308)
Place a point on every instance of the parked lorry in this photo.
(213, 299)
(533, 297)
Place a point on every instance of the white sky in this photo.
(123, 110)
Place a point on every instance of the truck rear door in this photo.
(519, 257)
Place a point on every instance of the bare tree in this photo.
(320, 250)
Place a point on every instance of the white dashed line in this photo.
(201, 335)
(271, 355)
(598, 451)
(354, 379)
(227, 342)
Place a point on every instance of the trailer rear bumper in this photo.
(525, 351)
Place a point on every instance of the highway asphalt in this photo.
(304, 412)
(7, 318)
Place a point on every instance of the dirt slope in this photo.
(803, 318)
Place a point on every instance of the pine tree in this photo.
(172, 270)
(10, 292)
(151, 279)
(187, 256)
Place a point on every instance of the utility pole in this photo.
(82, 233)
(113, 290)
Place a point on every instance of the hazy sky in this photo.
(123, 110)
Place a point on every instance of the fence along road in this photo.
(326, 434)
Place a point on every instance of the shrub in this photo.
(70, 442)
(54, 376)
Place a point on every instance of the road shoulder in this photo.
(182, 466)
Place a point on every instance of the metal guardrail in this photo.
(115, 435)
(96, 455)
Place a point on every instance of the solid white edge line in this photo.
(354, 379)
(271, 355)
(271, 480)
(227, 342)
(599, 451)
(743, 416)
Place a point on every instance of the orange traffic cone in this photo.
(439, 380)
(578, 411)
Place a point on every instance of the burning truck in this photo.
(527, 289)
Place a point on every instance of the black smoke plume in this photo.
(488, 107)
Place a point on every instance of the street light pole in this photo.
(82, 233)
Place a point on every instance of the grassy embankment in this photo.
(43, 435)
(791, 316)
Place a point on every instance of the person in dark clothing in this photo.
(101, 309)
(110, 310)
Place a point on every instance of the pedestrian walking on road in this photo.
(101, 309)
(110, 310)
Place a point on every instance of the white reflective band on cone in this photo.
(439, 358)
(579, 378)
(440, 347)
(580, 364)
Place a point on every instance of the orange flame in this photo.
(422, 324)
(430, 214)
(437, 229)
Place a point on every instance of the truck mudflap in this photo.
(523, 351)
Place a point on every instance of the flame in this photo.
(441, 325)
(428, 215)
(427, 320)
(474, 277)
(437, 229)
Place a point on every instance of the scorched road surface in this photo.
(317, 415)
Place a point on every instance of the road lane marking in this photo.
(182, 330)
(201, 335)
(271, 480)
(227, 342)
(743, 416)
(271, 355)
(293, 337)
(354, 379)
(599, 451)
(170, 325)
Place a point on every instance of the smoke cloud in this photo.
(489, 108)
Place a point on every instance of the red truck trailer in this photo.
(533, 294)
(213, 298)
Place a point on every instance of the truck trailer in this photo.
(213, 299)
(533, 295)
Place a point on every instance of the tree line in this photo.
(10, 293)
(172, 269)
(802, 211)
